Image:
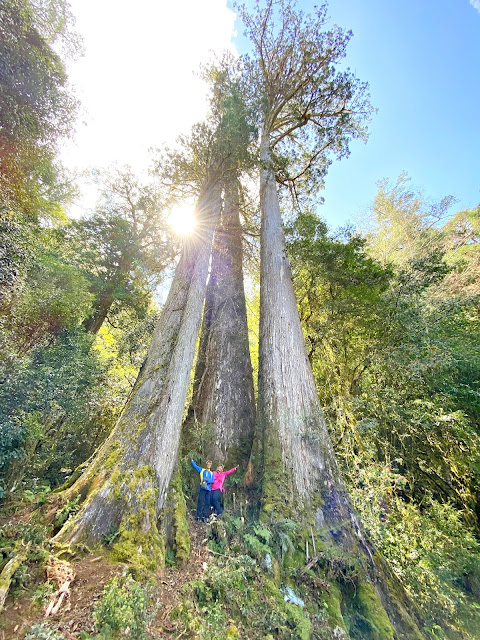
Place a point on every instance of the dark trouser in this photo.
(203, 504)
(215, 501)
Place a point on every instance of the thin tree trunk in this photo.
(125, 486)
(301, 477)
(102, 306)
(223, 396)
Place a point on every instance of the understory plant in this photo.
(123, 610)
(429, 546)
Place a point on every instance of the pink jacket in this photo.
(219, 479)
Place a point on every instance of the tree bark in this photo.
(223, 396)
(125, 486)
(298, 452)
(102, 306)
(301, 477)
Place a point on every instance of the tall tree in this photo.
(404, 225)
(307, 111)
(223, 395)
(461, 241)
(125, 487)
(36, 107)
(307, 107)
(125, 247)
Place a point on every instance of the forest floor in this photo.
(91, 575)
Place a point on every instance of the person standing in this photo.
(217, 487)
(204, 490)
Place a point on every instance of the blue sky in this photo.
(139, 88)
(421, 59)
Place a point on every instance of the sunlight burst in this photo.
(182, 220)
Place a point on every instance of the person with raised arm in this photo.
(204, 490)
(217, 487)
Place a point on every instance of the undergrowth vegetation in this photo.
(429, 546)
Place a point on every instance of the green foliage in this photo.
(109, 538)
(123, 249)
(35, 533)
(42, 594)
(63, 514)
(15, 254)
(429, 547)
(39, 496)
(340, 291)
(14, 536)
(123, 609)
(461, 241)
(43, 631)
(36, 108)
(42, 392)
(235, 597)
(54, 298)
(61, 391)
(21, 579)
(255, 547)
(307, 109)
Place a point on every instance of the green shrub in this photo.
(63, 514)
(430, 548)
(43, 632)
(42, 594)
(123, 609)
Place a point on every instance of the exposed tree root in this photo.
(62, 572)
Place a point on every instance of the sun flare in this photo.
(182, 220)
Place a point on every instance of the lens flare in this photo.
(182, 220)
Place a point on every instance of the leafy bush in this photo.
(42, 594)
(63, 514)
(123, 609)
(430, 548)
(43, 632)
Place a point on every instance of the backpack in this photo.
(203, 482)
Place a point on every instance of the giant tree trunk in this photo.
(299, 462)
(301, 477)
(223, 397)
(125, 486)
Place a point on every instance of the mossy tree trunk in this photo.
(125, 486)
(223, 397)
(301, 479)
(299, 462)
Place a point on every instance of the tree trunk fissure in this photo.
(223, 392)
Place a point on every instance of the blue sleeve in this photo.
(195, 466)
